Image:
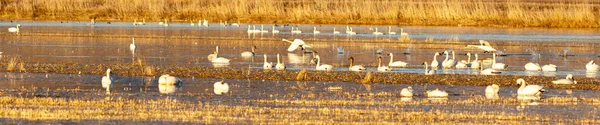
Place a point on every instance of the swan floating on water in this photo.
(377, 32)
(280, 65)
(396, 63)
(390, 31)
(407, 92)
(549, 68)
(355, 67)
(448, 63)
(435, 63)
(382, 68)
(497, 65)
(167, 79)
(14, 29)
(529, 90)
(274, 31)
(592, 67)
(437, 93)
(220, 87)
(322, 66)
(335, 31)
(532, 66)
(427, 71)
(267, 65)
(475, 64)
(249, 53)
(568, 80)
(212, 56)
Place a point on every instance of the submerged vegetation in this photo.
(519, 13)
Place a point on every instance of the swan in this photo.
(167, 79)
(214, 54)
(437, 93)
(135, 22)
(355, 67)
(435, 63)
(568, 80)
(390, 31)
(132, 45)
(267, 65)
(492, 89)
(322, 66)
(107, 81)
(297, 31)
(484, 45)
(274, 31)
(489, 71)
(280, 65)
(402, 33)
(192, 23)
(315, 31)
(529, 90)
(221, 87)
(236, 24)
(249, 30)
(295, 44)
(205, 23)
(220, 60)
(532, 66)
(497, 65)
(381, 68)
(463, 63)
(549, 68)
(377, 32)
(397, 63)
(592, 67)
(448, 63)
(475, 64)
(262, 30)
(249, 54)
(427, 71)
(335, 32)
(407, 92)
(350, 32)
(14, 29)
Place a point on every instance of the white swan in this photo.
(475, 64)
(107, 81)
(218, 59)
(402, 33)
(529, 90)
(568, 80)
(220, 87)
(377, 32)
(397, 63)
(349, 31)
(532, 66)
(483, 45)
(382, 68)
(262, 29)
(497, 65)
(297, 31)
(437, 93)
(591, 66)
(322, 66)
(274, 31)
(249, 53)
(492, 89)
(435, 63)
(355, 67)
(549, 68)
(132, 45)
(14, 29)
(427, 71)
(489, 71)
(167, 79)
(448, 63)
(135, 22)
(205, 23)
(463, 64)
(407, 92)
(297, 43)
(267, 65)
(315, 31)
(335, 31)
(212, 56)
(390, 31)
(280, 65)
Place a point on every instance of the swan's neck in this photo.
(391, 58)
(401, 30)
(476, 58)
(278, 62)
(453, 57)
(389, 29)
(351, 62)
(318, 62)
(108, 74)
(379, 64)
(252, 49)
(494, 58)
(434, 57)
(469, 59)
(426, 68)
(265, 56)
(333, 29)
(446, 57)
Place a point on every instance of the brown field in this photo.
(558, 13)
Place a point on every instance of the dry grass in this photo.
(558, 13)
(12, 64)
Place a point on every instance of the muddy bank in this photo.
(190, 71)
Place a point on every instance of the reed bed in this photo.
(511, 13)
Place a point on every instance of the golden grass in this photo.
(558, 13)
(12, 64)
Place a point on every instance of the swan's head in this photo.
(18, 25)
(391, 54)
(495, 86)
(570, 77)
(520, 82)
(108, 71)
(424, 63)
(437, 53)
(468, 54)
(409, 88)
(351, 58)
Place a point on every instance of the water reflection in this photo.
(406, 99)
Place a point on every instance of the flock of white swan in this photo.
(222, 87)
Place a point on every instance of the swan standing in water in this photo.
(221, 87)
(132, 46)
(475, 64)
(382, 68)
(497, 65)
(315, 31)
(107, 81)
(437, 93)
(267, 65)
(448, 63)
(529, 90)
(592, 67)
(280, 65)
(435, 63)
(355, 67)
(249, 54)
(213, 55)
(568, 80)
(390, 31)
(427, 71)
(402, 33)
(377, 32)
(167, 79)
(532, 66)
(322, 66)
(407, 92)
(549, 68)
(397, 63)
(14, 29)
